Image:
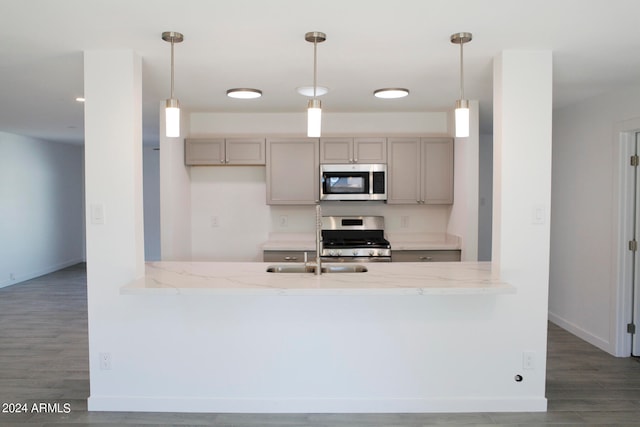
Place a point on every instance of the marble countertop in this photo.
(399, 241)
(251, 278)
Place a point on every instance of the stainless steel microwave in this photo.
(353, 182)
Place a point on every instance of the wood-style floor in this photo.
(44, 360)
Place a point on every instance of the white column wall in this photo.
(522, 190)
(113, 185)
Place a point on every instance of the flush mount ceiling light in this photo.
(314, 107)
(172, 105)
(308, 90)
(244, 93)
(391, 93)
(462, 105)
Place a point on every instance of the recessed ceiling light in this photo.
(391, 93)
(308, 90)
(80, 99)
(244, 93)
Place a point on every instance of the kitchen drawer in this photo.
(287, 256)
(425, 256)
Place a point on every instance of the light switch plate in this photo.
(97, 214)
(538, 215)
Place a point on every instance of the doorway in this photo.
(634, 162)
(627, 301)
(635, 285)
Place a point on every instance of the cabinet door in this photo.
(404, 171)
(437, 171)
(287, 256)
(204, 151)
(245, 151)
(293, 171)
(336, 150)
(370, 150)
(425, 256)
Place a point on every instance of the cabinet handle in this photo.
(426, 258)
(291, 258)
(222, 161)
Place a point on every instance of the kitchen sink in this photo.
(298, 268)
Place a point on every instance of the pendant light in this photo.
(172, 105)
(462, 105)
(314, 108)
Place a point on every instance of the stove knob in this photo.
(355, 252)
(339, 252)
(332, 252)
(372, 252)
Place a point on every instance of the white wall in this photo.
(582, 293)
(485, 197)
(522, 94)
(151, 185)
(41, 207)
(230, 219)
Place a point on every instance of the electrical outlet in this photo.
(284, 221)
(528, 360)
(215, 222)
(105, 361)
(404, 221)
(12, 277)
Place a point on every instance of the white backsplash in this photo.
(230, 218)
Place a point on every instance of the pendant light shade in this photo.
(462, 118)
(314, 118)
(462, 105)
(172, 105)
(172, 117)
(314, 108)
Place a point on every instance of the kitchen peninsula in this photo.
(385, 340)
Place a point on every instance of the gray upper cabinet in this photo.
(353, 150)
(437, 171)
(293, 171)
(420, 171)
(224, 151)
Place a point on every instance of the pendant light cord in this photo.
(315, 67)
(171, 68)
(461, 73)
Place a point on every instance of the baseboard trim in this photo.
(41, 272)
(204, 405)
(581, 333)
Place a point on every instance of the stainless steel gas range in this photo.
(354, 239)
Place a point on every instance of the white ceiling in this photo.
(260, 43)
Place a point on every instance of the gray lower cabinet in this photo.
(287, 256)
(224, 151)
(293, 171)
(425, 256)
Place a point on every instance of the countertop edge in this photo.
(250, 279)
